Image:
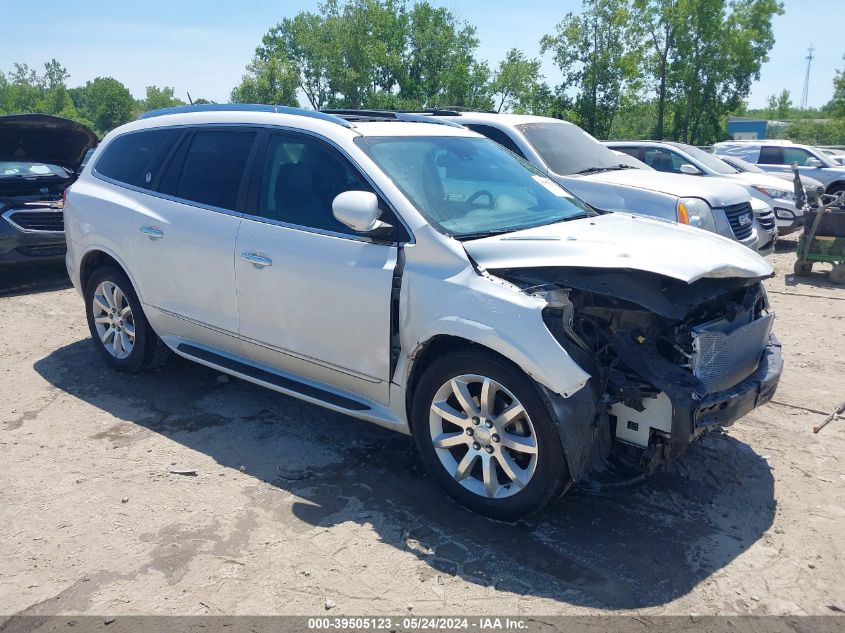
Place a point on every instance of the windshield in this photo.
(710, 161)
(30, 170)
(567, 149)
(471, 187)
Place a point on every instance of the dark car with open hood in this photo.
(40, 157)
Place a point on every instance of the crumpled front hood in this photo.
(41, 138)
(621, 241)
(716, 192)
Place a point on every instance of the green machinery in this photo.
(823, 238)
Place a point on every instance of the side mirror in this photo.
(691, 170)
(358, 210)
(813, 162)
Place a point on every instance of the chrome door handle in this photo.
(152, 232)
(259, 261)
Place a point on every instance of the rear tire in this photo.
(119, 329)
(486, 437)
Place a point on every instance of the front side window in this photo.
(660, 159)
(471, 187)
(711, 162)
(796, 155)
(135, 158)
(211, 170)
(300, 180)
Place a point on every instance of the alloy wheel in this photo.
(483, 436)
(113, 320)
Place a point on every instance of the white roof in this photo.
(506, 119)
(324, 127)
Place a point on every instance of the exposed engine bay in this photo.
(668, 360)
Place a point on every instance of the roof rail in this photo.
(456, 110)
(386, 115)
(246, 107)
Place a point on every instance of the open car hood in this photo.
(41, 138)
(621, 241)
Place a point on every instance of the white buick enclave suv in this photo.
(419, 276)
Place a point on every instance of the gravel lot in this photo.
(296, 510)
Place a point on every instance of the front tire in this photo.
(486, 437)
(119, 329)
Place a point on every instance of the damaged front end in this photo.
(668, 360)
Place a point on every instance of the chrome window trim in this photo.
(8, 217)
(165, 196)
(257, 218)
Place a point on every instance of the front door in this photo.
(313, 296)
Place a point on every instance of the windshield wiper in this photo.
(480, 234)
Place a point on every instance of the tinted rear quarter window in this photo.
(211, 167)
(135, 158)
(771, 156)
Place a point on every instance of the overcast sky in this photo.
(198, 47)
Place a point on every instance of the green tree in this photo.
(590, 50)
(270, 81)
(784, 105)
(515, 80)
(105, 102)
(657, 28)
(370, 54)
(157, 98)
(837, 103)
(701, 57)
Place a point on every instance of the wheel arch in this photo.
(836, 185)
(575, 417)
(97, 257)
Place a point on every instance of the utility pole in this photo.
(809, 59)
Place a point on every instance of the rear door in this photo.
(314, 297)
(185, 235)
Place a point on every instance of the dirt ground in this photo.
(296, 510)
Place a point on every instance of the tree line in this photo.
(671, 69)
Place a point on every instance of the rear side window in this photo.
(495, 134)
(135, 158)
(210, 171)
(771, 156)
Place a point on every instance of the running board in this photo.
(288, 384)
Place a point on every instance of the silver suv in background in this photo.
(680, 158)
(420, 277)
(599, 177)
(812, 187)
(778, 156)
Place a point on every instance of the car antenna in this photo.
(190, 101)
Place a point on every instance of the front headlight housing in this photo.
(696, 212)
(780, 194)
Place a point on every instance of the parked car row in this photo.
(406, 270)
(597, 175)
